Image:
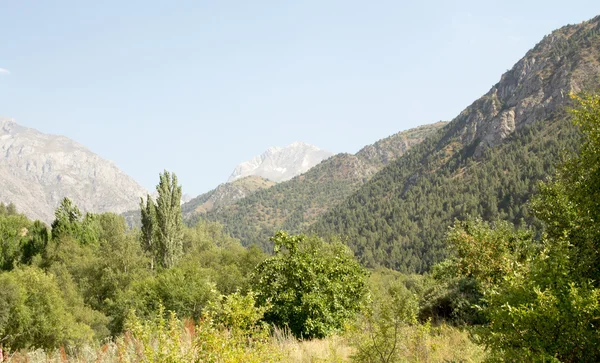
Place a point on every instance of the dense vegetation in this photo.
(88, 278)
(297, 203)
(516, 277)
(523, 295)
(541, 299)
(400, 217)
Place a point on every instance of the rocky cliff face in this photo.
(281, 164)
(564, 62)
(38, 170)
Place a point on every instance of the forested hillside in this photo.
(224, 195)
(486, 162)
(295, 204)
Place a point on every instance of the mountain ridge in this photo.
(486, 163)
(38, 170)
(294, 204)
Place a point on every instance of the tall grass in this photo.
(176, 341)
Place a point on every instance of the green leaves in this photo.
(309, 286)
(162, 226)
(33, 312)
(543, 303)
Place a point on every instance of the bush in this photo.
(34, 313)
(309, 286)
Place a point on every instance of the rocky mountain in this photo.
(281, 164)
(38, 170)
(486, 162)
(295, 204)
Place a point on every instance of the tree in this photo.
(148, 212)
(545, 304)
(162, 226)
(14, 234)
(11, 209)
(310, 286)
(67, 219)
(34, 313)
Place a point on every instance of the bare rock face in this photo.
(38, 170)
(281, 164)
(537, 86)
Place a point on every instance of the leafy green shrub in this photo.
(309, 286)
(34, 313)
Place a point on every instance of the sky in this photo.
(196, 87)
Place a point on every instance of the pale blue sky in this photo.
(197, 87)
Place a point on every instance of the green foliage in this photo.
(388, 329)
(8, 210)
(159, 339)
(295, 204)
(184, 289)
(34, 313)
(14, 235)
(148, 232)
(543, 303)
(309, 286)
(162, 226)
(239, 313)
(67, 220)
(488, 253)
(399, 218)
(91, 270)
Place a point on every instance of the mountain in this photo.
(38, 170)
(486, 162)
(295, 204)
(224, 195)
(281, 164)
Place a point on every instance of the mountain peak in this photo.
(38, 170)
(281, 164)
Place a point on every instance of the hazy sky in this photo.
(197, 87)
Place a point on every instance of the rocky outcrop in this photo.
(536, 87)
(38, 170)
(281, 164)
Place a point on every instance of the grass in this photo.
(438, 344)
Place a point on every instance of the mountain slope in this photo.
(486, 162)
(295, 204)
(281, 164)
(224, 195)
(38, 170)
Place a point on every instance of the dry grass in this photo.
(441, 344)
(332, 349)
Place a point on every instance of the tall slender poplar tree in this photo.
(162, 226)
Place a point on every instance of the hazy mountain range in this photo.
(38, 170)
